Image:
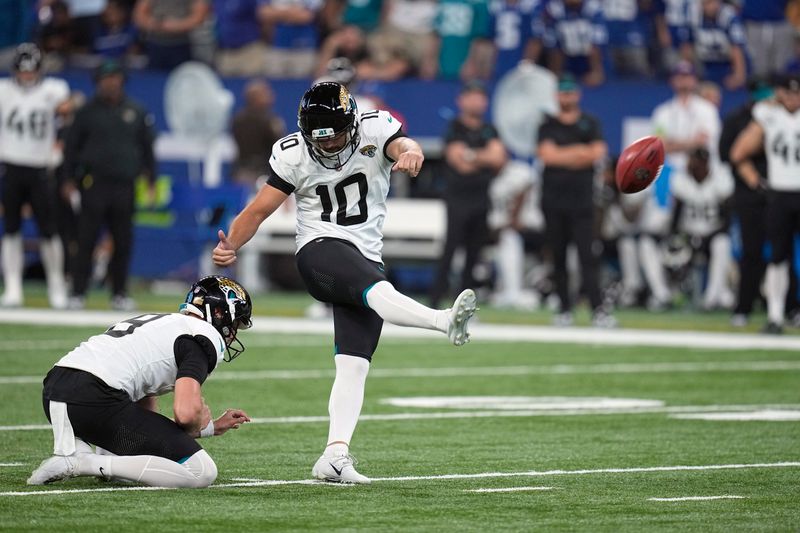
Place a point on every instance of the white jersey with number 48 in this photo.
(348, 203)
(781, 144)
(27, 121)
(138, 356)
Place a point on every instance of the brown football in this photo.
(640, 164)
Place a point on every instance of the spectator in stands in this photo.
(676, 17)
(114, 35)
(349, 42)
(85, 15)
(380, 63)
(717, 42)
(167, 26)
(627, 26)
(255, 129)
(748, 204)
(574, 32)
(56, 33)
(700, 218)
(570, 145)
(510, 35)
(295, 36)
(453, 53)
(364, 14)
(241, 50)
(408, 27)
(769, 34)
(686, 121)
(473, 155)
(109, 145)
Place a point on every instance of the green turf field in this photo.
(575, 469)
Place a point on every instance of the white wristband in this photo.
(207, 431)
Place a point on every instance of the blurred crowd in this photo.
(393, 39)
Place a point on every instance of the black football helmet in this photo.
(223, 303)
(28, 58)
(328, 112)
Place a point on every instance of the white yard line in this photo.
(697, 498)
(481, 371)
(442, 415)
(480, 332)
(483, 475)
(11, 464)
(510, 489)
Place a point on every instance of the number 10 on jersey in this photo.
(340, 193)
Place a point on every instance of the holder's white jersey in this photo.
(702, 215)
(781, 144)
(348, 203)
(137, 355)
(27, 121)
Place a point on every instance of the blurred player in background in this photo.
(775, 129)
(701, 217)
(30, 104)
(748, 204)
(338, 166)
(570, 145)
(104, 392)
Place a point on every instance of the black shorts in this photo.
(107, 417)
(335, 272)
(30, 185)
(783, 222)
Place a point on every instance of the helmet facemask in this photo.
(328, 121)
(225, 305)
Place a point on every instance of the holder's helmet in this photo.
(223, 303)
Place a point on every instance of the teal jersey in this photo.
(457, 23)
(366, 14)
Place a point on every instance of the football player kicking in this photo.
(103, 392)
(338, 168)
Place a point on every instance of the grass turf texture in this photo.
(286, 451)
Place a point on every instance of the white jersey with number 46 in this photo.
(138, 355)
(348, 203)
(781, 144)
(27, 121)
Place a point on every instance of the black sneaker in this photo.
(772, 328)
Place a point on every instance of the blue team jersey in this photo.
(764, 10)
(676, 15)
(113, 44)
(297, 36)
(713, 37)
(625, 22)
(510, 29)
(237, 24)
(574, 31)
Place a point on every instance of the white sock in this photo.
(13, 262)
(510, 263)
(718, 265)
(629, 264)
(197, 471)
(650, 259)
(347, 397)
(53, 261)
(399, 309)
(777, 284)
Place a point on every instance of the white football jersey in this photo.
(349, 203)
(137, 355)
(701, 215)
(683, 121)
(781, 144)
(27, 121)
